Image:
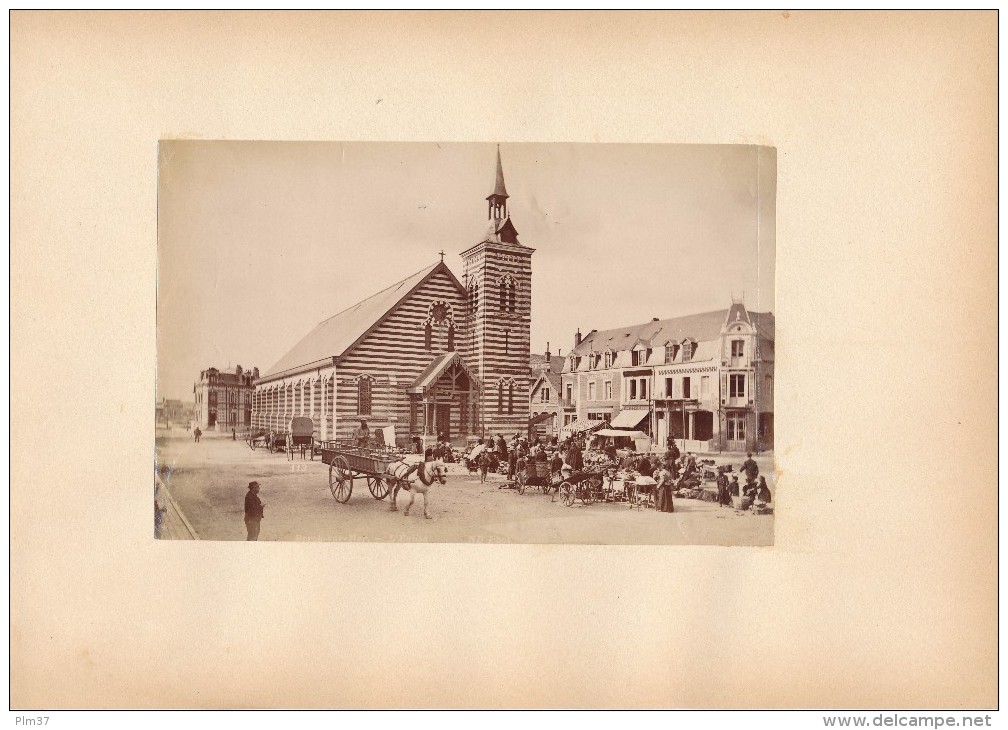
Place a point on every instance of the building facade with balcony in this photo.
(223, 398)
(705, 380)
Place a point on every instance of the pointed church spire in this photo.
(499, 190)
(497, 200)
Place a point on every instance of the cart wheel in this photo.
(340, 480)
(587, 496)
(378, 486)
(567, 494)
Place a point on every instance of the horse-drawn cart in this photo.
(255, 437)
(300, 437)
(588, 486)
(347, 462)
(537, 474)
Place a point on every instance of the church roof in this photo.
(334, 336)
(502, 231)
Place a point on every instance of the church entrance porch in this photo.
(444, 400)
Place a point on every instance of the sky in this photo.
(260, 241)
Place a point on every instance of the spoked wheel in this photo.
(378, 486)
(340, 479)
(587, 495)
(567, 494)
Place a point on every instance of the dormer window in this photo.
(687, 350)
(608, 359)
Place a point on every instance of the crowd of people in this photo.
(657, 474)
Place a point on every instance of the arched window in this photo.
(500, 398)
(427, 334)
(511, 398)
(473, 297)
(364, 396)
(451, 337)
(511, 297)
(503, 296)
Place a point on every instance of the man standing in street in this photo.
(197, 433)
(253, 511)
(751, 471)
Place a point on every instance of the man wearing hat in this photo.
(253, 511)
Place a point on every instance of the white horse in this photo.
(414, 475)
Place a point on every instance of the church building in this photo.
(429, 354)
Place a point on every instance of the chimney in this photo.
(577, 337)
(654, 319)
(547, 352)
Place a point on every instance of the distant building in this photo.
(545, 409)
(704, 378)
(223, 399)
(173, 412)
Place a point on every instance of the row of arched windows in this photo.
(508, 295)
(271, 406)
(429, 335)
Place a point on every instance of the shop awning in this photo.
(629, 418)
(627, 434)
(581, 424)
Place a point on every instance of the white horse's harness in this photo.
(402, 471)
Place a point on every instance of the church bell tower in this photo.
(497, 274)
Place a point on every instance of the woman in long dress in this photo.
(663, 477)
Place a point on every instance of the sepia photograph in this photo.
(451, 340)
(552, 343)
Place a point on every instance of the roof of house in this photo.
(700, 327)
(228, 377)
(537, 362)
(552, 378)
(337, 334)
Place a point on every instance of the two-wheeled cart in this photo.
(348, 462)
